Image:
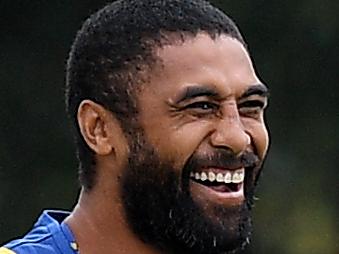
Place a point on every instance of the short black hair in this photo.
(115, 44)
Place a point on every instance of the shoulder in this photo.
(32, 244)
(28, 248)
(46, 237)
(4, 250)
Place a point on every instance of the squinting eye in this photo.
(252, 104)
(251, 107)
(203, 106)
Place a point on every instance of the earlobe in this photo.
(93, 121)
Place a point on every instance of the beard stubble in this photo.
(161, 211)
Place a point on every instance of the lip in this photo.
(218, 169)
(205, 194)
(221, 169)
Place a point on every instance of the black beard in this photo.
(161, 212)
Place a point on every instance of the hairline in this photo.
(169, 38)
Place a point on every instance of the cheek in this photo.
(264, 143)
(260, 138)
(178, 144)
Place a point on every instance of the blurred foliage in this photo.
(294, 45)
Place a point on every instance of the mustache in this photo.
(223, 159)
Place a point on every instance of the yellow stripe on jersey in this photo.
(6, 251)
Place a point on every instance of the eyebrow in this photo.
(258, 89)
(197, 91)
(192, 92)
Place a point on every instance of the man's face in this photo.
(193, 165)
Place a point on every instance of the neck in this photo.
(99, 226)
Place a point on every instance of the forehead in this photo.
(202, 47)
(223, 62)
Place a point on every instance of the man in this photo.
(169, 126)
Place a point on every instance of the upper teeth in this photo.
(227, 176)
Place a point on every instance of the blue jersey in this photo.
(50, 235)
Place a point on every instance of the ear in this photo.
(93, 120)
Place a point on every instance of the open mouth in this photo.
(223, 181)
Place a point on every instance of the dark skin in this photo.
(204, 95)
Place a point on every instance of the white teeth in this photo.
(203, 176)
(236, 176)
(211, 176)
(197, 176)
(220, 178)
(228, 177)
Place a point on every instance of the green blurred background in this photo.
(294, 45)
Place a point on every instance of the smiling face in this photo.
(190, 180)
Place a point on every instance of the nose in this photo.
(230, 133)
